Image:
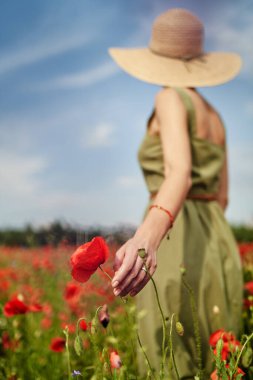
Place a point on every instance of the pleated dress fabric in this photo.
(201, 241)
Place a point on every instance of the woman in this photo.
(183, 158)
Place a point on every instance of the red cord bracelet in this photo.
(165, 210)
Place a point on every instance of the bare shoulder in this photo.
(169, 108)
(168, 99)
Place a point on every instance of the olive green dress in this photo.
(201, 241)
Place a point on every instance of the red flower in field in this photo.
(249, 287)
(70, 326)
(87, 258)
(47, 309)
(71, 290)
(57, 344)
(220, 334)
(229, 342)
(46, 323)
(247, 303)
(115, 360)
(15, 306)
(245, 248)
(35, 307)
(4, 285)
(214, 375)
(7, 343)
(83, 325)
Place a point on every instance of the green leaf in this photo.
(78, 345)
(247, 357)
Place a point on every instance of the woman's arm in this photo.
(222, 196)
(172, 120)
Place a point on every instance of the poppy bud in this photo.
(179, 328)
(115, 360)
(142, 253)
(103, 316)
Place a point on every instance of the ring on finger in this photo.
(144, 268)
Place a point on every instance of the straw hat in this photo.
(175, 55)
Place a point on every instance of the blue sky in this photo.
(71, 121)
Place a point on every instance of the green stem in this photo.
(107, 274)
(239, 356)
(195, 328)
(123, 301)
(171, 347)
(129, 324)
(66, 332)
(146, 357)
(163, 323)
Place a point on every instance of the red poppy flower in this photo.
(220, 334)
(57, 344)
(15, 306)
(71, 327)
(87, 258)
(249, 287)
(83, 325)
(35, 307)
(229, 342)
(71, 290)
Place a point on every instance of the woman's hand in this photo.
(130, 277)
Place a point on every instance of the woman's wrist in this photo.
(153, 229)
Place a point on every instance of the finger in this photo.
(131, 286)
(133, 280)
(131, 275)
(119, 258)
(126, 266)
(146, 279)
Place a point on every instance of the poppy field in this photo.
(52, 326)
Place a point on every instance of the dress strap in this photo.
(186, 99)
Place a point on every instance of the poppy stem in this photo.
(172, 357)
(145, 355)
(107, 274)
(196, 327)
(66, 333)
(163, 323)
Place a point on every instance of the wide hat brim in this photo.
(209, 69)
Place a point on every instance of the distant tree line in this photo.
(61, 233)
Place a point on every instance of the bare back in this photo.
(208, 123)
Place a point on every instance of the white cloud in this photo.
(100, 136)
(19, 174)
(39, 50)
(81, 79)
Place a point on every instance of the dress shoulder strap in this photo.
(186, 99)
